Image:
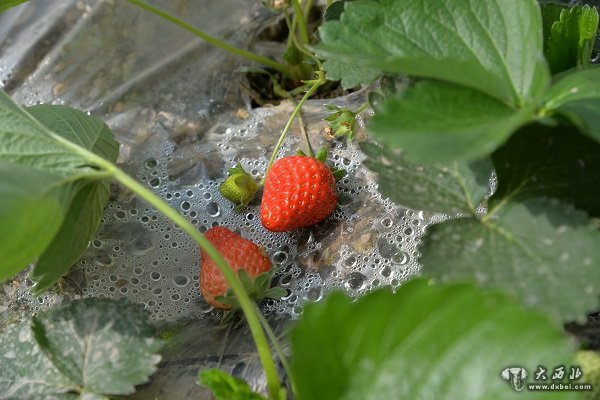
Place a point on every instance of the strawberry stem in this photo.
(307, 7)
(277, 347)
(309, 150)
(300, 22)
(362, 108)
(320, 79)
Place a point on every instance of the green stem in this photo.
(300, 21)
(307, 8)
(361, 108)
(299, 45)
(318, 82)
(214, 41)
(309, 150)
(278, 350)
(246, 304)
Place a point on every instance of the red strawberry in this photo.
(240, 254)
(299, 191)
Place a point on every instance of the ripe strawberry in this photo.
(299, 191)
(241, 255)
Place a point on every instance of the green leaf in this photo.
(422, 342)
(541, 252)
(6, 4)
(576, 96)
(47, 173)
(25, 372)
(79, 226)
(33, 204)
(494, 46)
(226, 387)
(437, 122)
(104, 346)
(334, 11)
(453, 189)
(78, 127)
(350, 75)
(550, 15)
(24, 141)
(571, 38)
(563, 164)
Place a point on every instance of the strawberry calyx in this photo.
(258, 289)
(239, 187)
(321, 154)
(338, 173)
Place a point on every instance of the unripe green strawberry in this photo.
(241, 255)
(589, 361)
(239, 187)
(299, 191)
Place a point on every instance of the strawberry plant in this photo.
(461, 91)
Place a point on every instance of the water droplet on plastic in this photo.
(150, 163)
(213, 209)
(314, 294)
(280, 257)
(155, 276)
(350, 261)
(103, 260)
(181, 280)
(355, 281)
(400, 258)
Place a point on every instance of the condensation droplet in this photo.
(386, 271)
(314, 294)
(213, 209)
(280, 257)
(103, 260)
(350, 261)
(150, 163)
(155, 276)
(355, 281)
(181, 280)
(400, 258)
